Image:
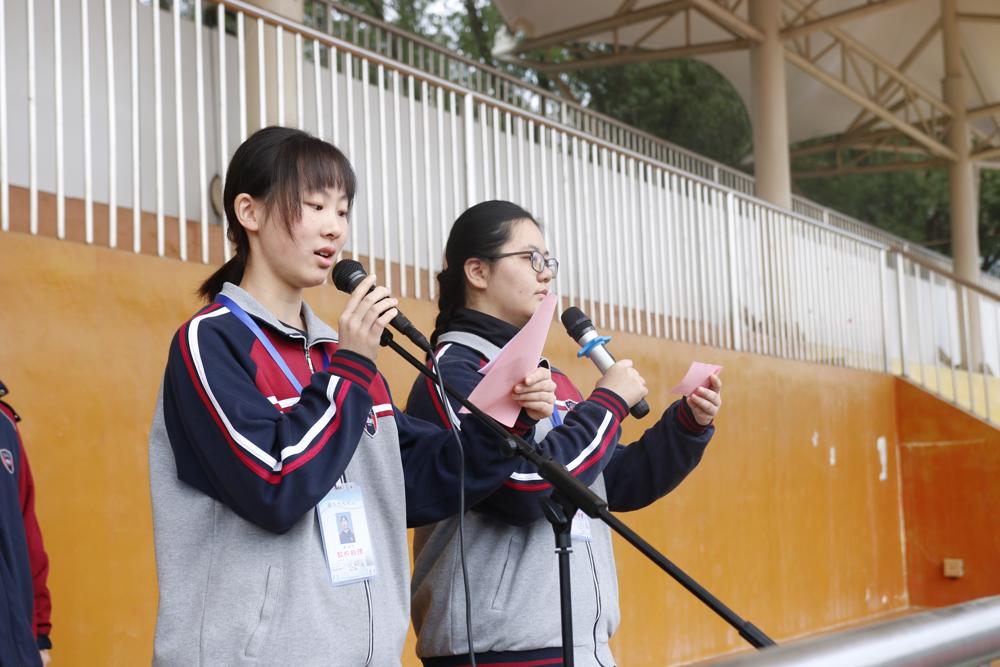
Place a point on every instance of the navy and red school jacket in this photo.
(516, 592)
(244, 435)
(584, 439)
(25, 604)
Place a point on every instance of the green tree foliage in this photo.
(683, 101)
(910, 204)
(989, 220)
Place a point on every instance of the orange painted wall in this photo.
(951, 498)
(792, 537)
(786, 520)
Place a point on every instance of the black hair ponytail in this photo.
(230, 272)
(451, 297)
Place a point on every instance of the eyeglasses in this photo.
(539, 262)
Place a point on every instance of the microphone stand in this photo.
(569, 495)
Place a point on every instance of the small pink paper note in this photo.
(697, 376)
(518, 358)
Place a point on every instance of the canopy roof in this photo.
(867, 73)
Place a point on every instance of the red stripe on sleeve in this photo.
(264, 473)
(37, 558)
(254, 465)
(310, 453)
(350, 376)
(612, 401)
(436, 402)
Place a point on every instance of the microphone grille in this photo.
(347, 274)
(575, 321)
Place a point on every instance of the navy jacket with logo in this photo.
(515, 593)
(24, 597)
(238, 460)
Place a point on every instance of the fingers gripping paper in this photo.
(697, 376)
(518, 358)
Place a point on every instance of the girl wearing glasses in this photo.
(497, 271)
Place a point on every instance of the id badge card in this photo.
(581, 527)
(346, 538)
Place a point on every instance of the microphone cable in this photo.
(453, 418)
(346, 275)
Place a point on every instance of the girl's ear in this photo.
(249, 212)
(477, 272)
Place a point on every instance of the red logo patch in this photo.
(8, 460)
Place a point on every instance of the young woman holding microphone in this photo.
(271, 430)
(497, 271)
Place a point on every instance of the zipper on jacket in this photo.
(597, 593)
(306, 348)
(371, 624)
(368, 589)
(368, 597)
(309, 362)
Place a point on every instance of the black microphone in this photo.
(582, 330)
(346, 276)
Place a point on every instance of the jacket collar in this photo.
(493, 329)
(317, 331)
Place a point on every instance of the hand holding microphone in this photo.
(619, 377)
(622, 378)
(348, 276)
(365, 317)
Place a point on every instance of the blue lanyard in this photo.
(242, 316)
(556, 419)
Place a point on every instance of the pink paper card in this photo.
(697, 376)
(518, 358)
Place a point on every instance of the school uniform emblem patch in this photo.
(371, 424)
(570, 405)
(8, 460)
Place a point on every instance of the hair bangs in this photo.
(322, 165)
(306, 165)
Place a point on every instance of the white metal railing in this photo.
(948, 341)
(396, 43)
(814, 211)
(120, 145)
(391, 41)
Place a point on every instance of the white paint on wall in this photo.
(883, 456)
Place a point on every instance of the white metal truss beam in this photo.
(725, 16)
(861, 75)
(897, 114)
(602, 25)
(823, 22)
(636, 56)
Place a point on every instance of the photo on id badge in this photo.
(346, 534)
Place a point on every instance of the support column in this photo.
(962, 178)
(290, 9)
(768, 107)
(964, 205)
